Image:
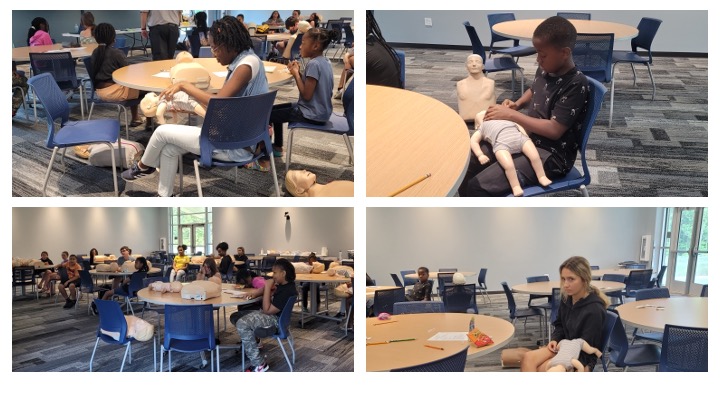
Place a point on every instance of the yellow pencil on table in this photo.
(435, 347)
(377, 343)
(383, 323)
(416, 181)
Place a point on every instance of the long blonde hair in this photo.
(580, 266)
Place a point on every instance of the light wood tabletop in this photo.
(321, 278)
(545, 287)
(410, 135)
(370, 290)
(141, 76)
(225, 299)
(96, 273)
(422, 327)
(524, 29)
(602, 272)
(654, 314)
(22, 54)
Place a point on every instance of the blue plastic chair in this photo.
(409, 282)
(647, 28)
(555, 299)
(647, 294)
(384, 300)
(537, 279)
(517, 50)
(496, 64)
(460, 298)
(637, 280)
(482, 286)
(626, 356)
(575, 180)
(282, 333)
(87, 287)
(704, 291)
(593, 54)
(444, 278)
(610, 318)
(349, 39)
(516, 313)
(619, 295)
(121, 105)
(235, 123)
(401, 57)
(113, 320)
(574, 16)
(135, 285)
(454, 363)
(71, 133)
(61, 65)
(418, 307)
(205, 52)
(684, 349)
(188, 329)
(397, 281)
(337, 124)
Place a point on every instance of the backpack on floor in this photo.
(100, 154)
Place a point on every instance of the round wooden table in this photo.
(434, 274)
(140, 75)
(654, 314)
(602, 272)
(524, 29)
(22, 54)
(545, 287)
(385, 357)
(408, 136)
(225, 299)
(315, 280)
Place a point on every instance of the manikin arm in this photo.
(475, 140)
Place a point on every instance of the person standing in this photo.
(162, 27)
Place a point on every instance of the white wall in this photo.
(681, 30)
(79, 229)
(511, 242)
(309, 229)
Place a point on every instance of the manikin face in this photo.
(474, 64)
(305, 179)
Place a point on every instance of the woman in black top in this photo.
(198, 36)
(581, 315)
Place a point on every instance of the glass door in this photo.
(688, 254)
(193, 236)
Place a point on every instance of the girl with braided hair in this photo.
(315, 85)
(105, 60)
(38, 32)
(231, 44)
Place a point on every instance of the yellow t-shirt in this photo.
(181, 262)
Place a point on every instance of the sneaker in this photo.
(134, 172)
(338, 94)
(69, 303)
(94, 309)
(258, 369)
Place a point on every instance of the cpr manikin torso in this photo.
(476, 92)
(302, 183)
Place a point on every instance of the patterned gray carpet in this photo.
(323, 154)
(654, 148)
(46, 337)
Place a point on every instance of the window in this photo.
(192, 227)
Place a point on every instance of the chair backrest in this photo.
(284, 319)
(335, 25)
(397, 281)
(87, 62)
(594, 267)
(659, 278)
(418, 307)
(620, 278)
(684, 349)
(454, 363)
(595, 99)
(510, 299)
(537, 279)
(60, 64)
(444, 278)
(650, 293)
(647, 28)
(259, 46)
(120, 42)
(111, 320)
(574, 16)
(495, 18)
(189, 323)
(385, 299)
(610, 319)
(618, 342)
(62, 272)
(225, 128)
(268, 262)
(136, 282)
(408, 281)
(348, 100)
(593, 55)
(295, 49)
(477, 46)
(639, 266)
(460, 298)
(555, 304)
(481, 277)
(638, 279)
(205, 52)
(53, 100)
(349, 35)
(86, 282)
(447, 270)
(401, 58)
(704, 291)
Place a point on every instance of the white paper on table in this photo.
(449, 337)
(223, 73)
(164, 75)
(269, 69)
(236, 294)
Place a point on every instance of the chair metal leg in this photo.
(197, 177)
(114, 166)
(285, 353)
(289, 153)
(652, 80)
(47, 172)
(127, 349)
(92, 356)
(346, 138)
(632, 66)
(274, 174)
(180, 173)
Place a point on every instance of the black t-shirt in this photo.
(114, 60)
(242, 258)
(226, 263)
(564, 99)
(47, 261)
(381, 67)
(282, 295)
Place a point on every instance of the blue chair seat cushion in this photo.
(81, 132)
(654, 336)
(570, 181)
(532, 311)
(187, 346)
(499, 64)
(337, 124)
(639, 355)
(517, 51)
(629, 57)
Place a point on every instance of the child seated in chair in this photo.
(422, 288)
(556, 106)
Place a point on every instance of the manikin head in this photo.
(474, 64)
(298, 182)
(149, 104)
(183, 57)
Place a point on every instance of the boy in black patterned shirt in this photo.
(422, 288)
